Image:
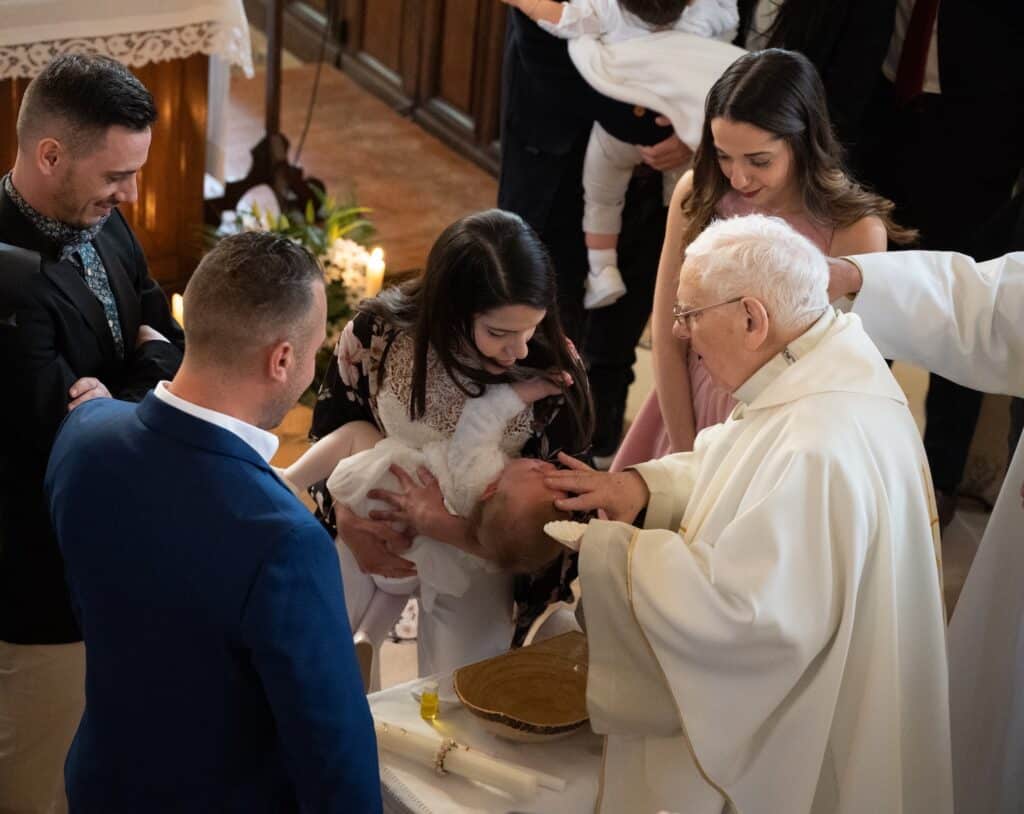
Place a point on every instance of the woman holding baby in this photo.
(482, 315)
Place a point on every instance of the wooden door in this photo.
(381, 47)
(460, 72)
(438, 61)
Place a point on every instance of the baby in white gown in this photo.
(475, 476)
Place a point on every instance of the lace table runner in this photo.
(135, 32)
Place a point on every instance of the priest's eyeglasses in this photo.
(682, 316)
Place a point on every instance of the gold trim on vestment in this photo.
(933, 513)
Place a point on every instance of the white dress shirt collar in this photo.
(265, 443)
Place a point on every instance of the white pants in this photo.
(458, 630)
(42, 695)
(607, 168)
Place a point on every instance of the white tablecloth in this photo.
(135, 32)
(409, 788)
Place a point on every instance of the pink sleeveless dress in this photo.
(647, 438)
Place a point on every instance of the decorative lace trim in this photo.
(229, 42)
(444, 401)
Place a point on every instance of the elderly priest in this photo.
(773, 639)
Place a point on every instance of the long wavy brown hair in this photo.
(780, 92)
(481, 262)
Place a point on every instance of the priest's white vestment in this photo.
(773, 640)
(965, 321)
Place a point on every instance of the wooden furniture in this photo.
(270, 164)
(438, 61)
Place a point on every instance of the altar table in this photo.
(412, 789)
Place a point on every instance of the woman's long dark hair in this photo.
(780, 92)
(481, 262)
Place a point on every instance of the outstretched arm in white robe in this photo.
(949, 314)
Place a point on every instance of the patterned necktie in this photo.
(99, 284)
(914, 56)
(78, 249)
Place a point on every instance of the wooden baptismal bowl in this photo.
(537, 693)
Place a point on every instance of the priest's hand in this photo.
(844, 278)
(373, 544)
(622, 495)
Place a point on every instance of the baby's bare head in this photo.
(509, 521)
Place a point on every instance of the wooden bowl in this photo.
(537, 693)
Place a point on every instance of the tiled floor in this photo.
(416, 186)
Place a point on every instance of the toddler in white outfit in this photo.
(609, 161)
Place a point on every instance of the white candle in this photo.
(461, 760)
(178, 309)
(375, 272)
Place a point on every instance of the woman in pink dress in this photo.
(767, 147)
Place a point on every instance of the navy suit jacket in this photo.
(220, 671)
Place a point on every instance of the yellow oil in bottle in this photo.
(429, 703)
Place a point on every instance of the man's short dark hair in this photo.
(251, 290)
(80, 97)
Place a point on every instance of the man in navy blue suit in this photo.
(220, 671)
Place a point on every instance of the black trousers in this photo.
(606, 337)
(949, 167)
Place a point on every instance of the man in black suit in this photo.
(547, 113)
(944, 140)
(845, 39)
(80, 319)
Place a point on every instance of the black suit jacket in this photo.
(53, 331)
(547, 112)
(848, 40)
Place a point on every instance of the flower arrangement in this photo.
(335, 233)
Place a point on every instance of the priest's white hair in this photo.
(761, 257)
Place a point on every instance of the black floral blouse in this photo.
(349, 393)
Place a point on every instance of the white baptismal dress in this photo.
(464, 463)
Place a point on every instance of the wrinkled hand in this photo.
(620, 494)
(844, 278)
(87, 389)
(539, 387)
(374, 544)
(148, 333)
(667, 154)
(419, 506)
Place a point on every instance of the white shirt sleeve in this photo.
(475, 457)
(948, 313)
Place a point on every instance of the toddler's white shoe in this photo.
(603, 288)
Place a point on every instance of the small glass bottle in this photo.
(429, 702)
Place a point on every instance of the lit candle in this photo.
(375, 272)
(178, 309)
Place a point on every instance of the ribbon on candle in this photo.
(447, 756)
